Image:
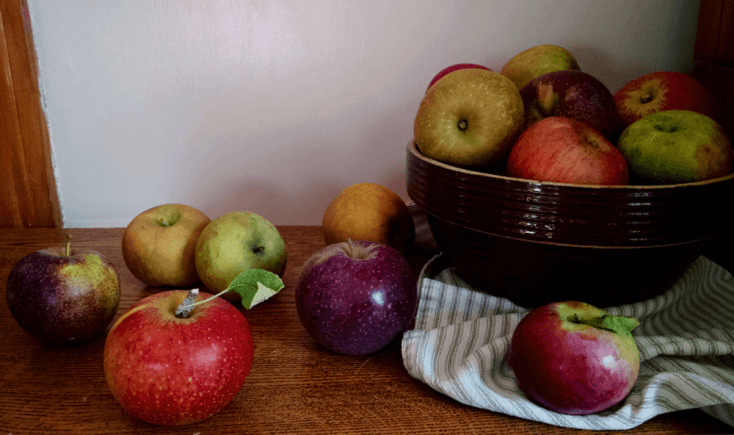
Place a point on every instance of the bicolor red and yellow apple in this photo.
(566, 151)
(660, 91)
(574, 358)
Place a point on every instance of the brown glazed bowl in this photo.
(538, 242)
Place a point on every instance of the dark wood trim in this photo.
(28, 195)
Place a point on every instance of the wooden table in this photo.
(295, 385)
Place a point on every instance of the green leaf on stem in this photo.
(255, 286)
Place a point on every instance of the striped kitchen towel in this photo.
(686, 342)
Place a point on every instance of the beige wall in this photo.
(274, 106)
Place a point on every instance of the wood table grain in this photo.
(295, 385)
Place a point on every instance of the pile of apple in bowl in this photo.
(541, 185)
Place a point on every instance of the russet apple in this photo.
(234, 242)
(355, 297)
(573, 94)
(659, 91)
(452, 68)
(63, 295)
(574, 358)
(676, 146)
(566, 151)
(173, 370)
(470, 117)
(372, 212)
(536, 61)
(159, 244)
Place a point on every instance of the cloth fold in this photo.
(686, 342)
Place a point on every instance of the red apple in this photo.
(63, 295)
(566, 151)
(355, 297)
(168, 370)
(574, 358)
(572, 94)
(451, 68)
(659, 91)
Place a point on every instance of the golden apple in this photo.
(158, 245)
(371, 212)
(536, 61)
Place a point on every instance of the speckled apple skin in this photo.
(562, 366)
(356, 306)
(63, 299)
(573, 94)
(170, 371)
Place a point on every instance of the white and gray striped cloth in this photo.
(686, 342)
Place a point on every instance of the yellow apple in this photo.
(536, 61)
(158, 245)
(470, 118)
(371, 212)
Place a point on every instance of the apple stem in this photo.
(68, 245)
(184, 310)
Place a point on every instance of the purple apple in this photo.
(574, 358)
(572, 94)
(63, 296)
(355, 297)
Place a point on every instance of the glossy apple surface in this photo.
(566, 151)
(574, 358)
(676, 146)
(659, 91)
(536, 61)
(63, 299)
(159, 244)
(572, 94)
(355, 297)
(452, 68)
(234, 242)
(167, 370)
(469, 118)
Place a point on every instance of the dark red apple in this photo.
(566, 151)
(574, 358)
(451, 68)
(355, 297)
(572, 94)
(62, 295)
(168, 370)
(660, 91)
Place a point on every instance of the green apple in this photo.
(235, 242)
(158, 245)
(536, 61)
(676, 146)
(470, 117)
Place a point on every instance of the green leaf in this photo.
(620, 324)
(255, 286)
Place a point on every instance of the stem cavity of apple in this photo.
(463, 125)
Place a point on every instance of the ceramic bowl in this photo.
(537, 242)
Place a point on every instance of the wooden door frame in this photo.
(28, 193)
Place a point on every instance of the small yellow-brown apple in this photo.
(371, 212)
(159, 244)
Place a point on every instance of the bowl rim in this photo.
(413, 148)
